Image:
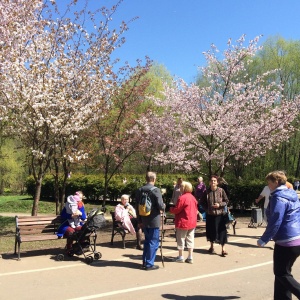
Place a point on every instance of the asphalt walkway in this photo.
(246, 273)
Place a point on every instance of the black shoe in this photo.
(152, 268)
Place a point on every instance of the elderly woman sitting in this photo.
(125, 213)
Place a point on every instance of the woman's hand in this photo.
(216, 205)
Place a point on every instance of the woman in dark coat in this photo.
(214, 201)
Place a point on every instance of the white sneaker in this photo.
(178, 259)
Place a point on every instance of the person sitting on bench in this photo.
(125, 213)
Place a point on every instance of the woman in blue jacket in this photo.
(283, 214)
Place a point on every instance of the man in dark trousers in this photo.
(152, 222)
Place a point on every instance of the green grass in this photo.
(24, 203)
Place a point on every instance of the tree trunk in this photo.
(56, 187)
(38, 188)
(297, 173)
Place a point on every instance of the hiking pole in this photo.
(161, 238)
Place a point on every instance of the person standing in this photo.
(265, 193)
(185, 221)
(176, 191)
(152, 222)
(200, 188)
(283, 227)
(296, 184)
(215, 201)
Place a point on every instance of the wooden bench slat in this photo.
(37, 218)
(31, 238)
(35, 228)
(37, 231)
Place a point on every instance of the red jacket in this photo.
(185, 211)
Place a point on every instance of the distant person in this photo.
(296, 184)
(176, 191)
(185, 211)
(200, 188)
(283, 227)
(265, 193)
(215, 201)
(288, 184)
(151, 224)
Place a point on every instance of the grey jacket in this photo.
(154, 219)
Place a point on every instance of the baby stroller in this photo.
(85, 240)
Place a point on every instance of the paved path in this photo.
(245, 274)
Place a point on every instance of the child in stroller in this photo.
(72, 209)
(84, 240)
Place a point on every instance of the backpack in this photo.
(145, 203)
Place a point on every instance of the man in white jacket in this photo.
(265, 193)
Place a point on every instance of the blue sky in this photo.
(176, 32)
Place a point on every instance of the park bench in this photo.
(169, 220)
(117, 228)
(169, 224)
(35, 228)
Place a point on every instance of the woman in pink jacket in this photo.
(125, 213)
(185, 211)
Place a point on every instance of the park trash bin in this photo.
(256, 217)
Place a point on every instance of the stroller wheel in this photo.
(89, 259)
(97, 255)
(60, 257)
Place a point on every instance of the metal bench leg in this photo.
(112, 238)
(123, 239)
(19, 249)
(233, 226)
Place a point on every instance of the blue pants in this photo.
(151, 245)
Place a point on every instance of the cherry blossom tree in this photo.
(231, 116)
(60, 81)
(117, 136)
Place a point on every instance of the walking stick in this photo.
(161, 238)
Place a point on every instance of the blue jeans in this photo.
(151, 245)
(285, 285)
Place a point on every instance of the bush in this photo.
(242, 194)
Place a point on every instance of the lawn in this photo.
(23, 204)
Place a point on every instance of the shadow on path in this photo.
(198, 297)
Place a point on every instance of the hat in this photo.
(76, 198)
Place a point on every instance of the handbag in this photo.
(227, 216)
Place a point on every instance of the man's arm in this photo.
(158, 196)
(259, 198)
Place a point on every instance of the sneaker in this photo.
(189, 260)
(178, 259)
(154, 267)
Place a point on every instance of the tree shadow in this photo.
(246, 236)
(29, 253)
(198, 297)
